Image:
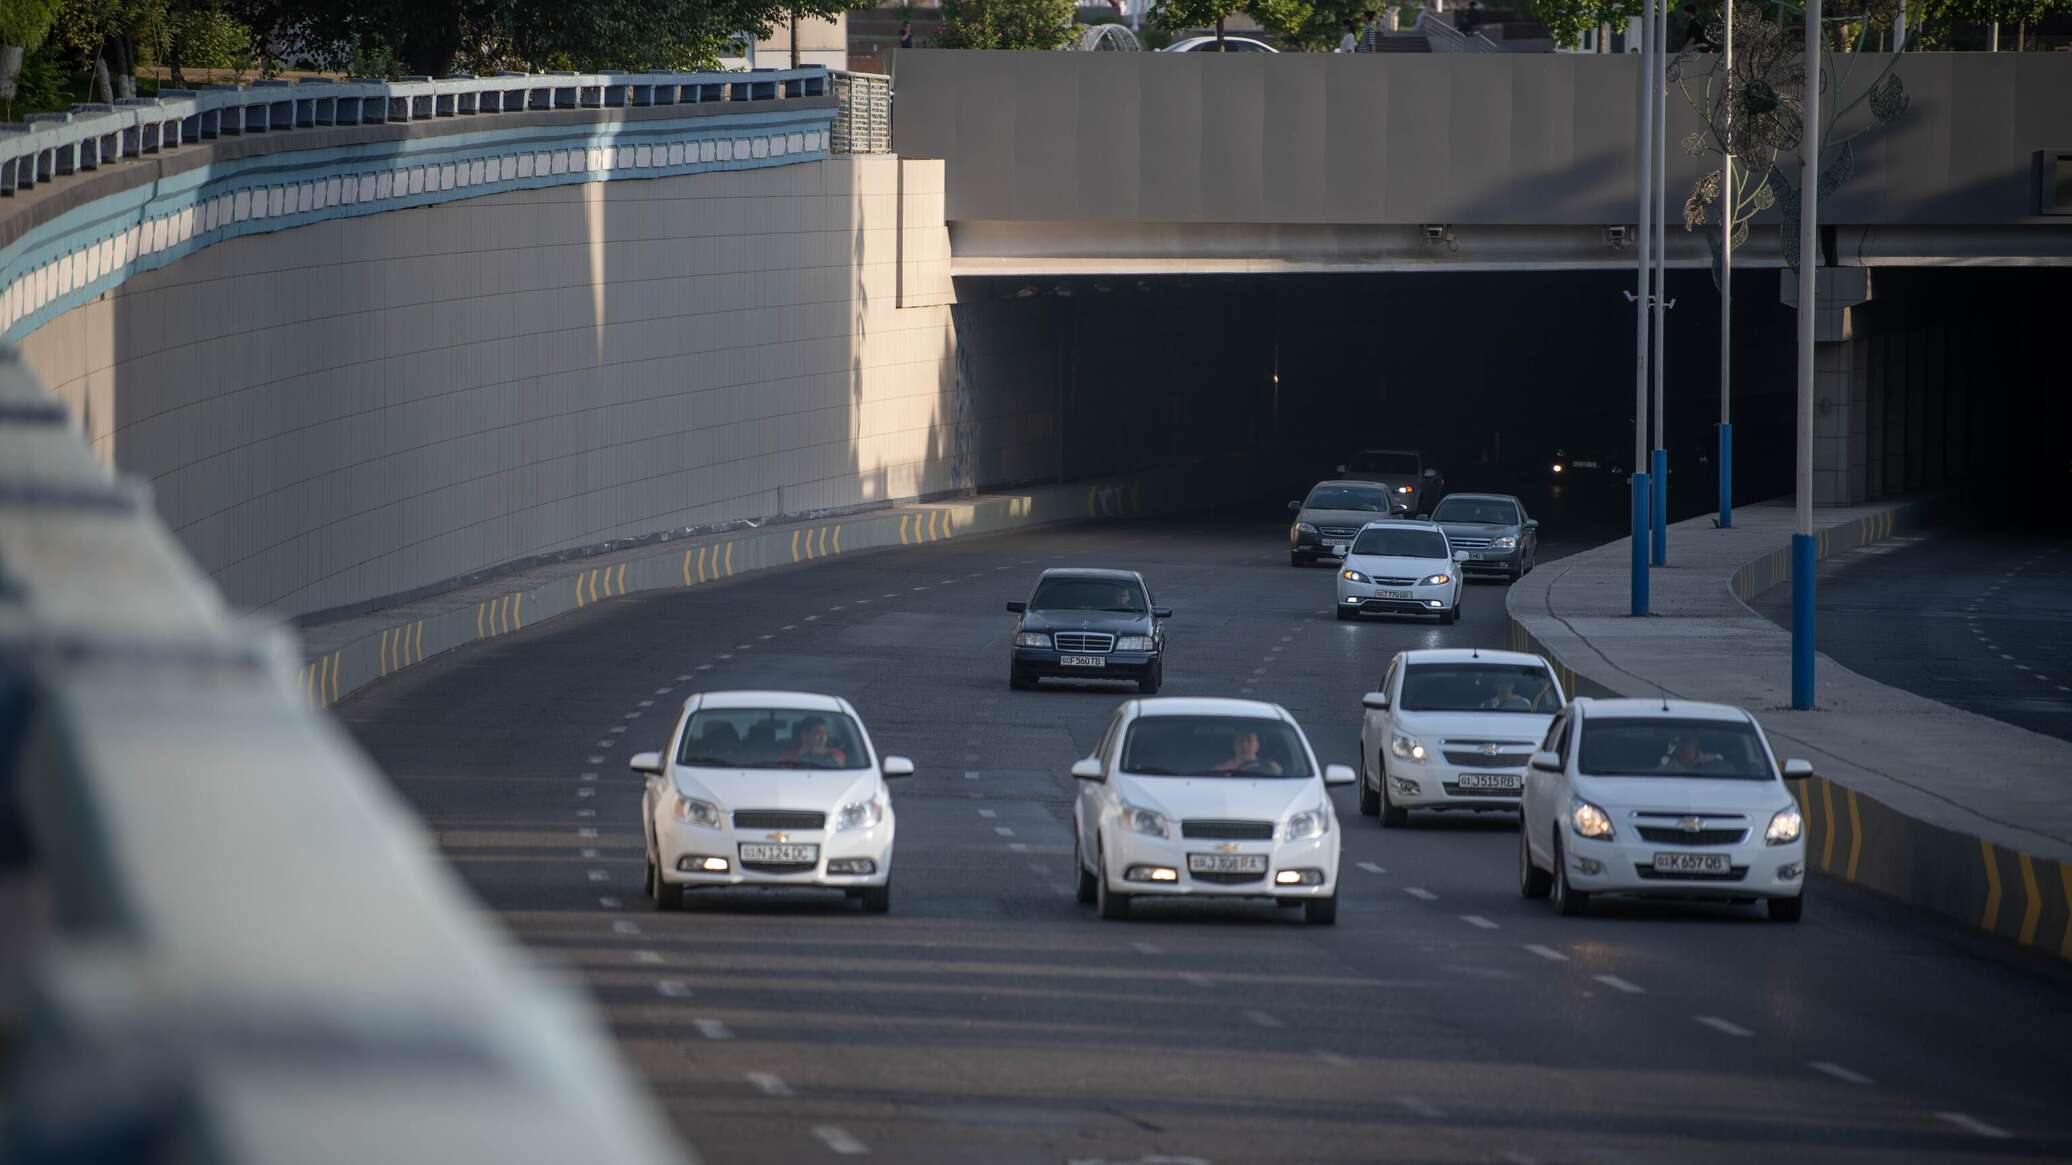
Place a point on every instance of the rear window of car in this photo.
(1401, 543)
(1403, 463)
(1479, 687)
(771, 738)
(1246, 747)
(1340, 497)
(1661, 746)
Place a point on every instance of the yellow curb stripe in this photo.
(730, 560)
(622, 578)
(337, 659)
(687, 568)
(701, 563)
(1827, 815)
(385, 651)
(823, 542)
(838, 539)
(518, 610)
(478, 619)
(2032, 913)
(1855, 835)
(1991, 915)
(417, 641)
(903, 518)
(795, 543)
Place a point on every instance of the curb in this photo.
(1856, 838)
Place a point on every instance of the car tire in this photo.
(1393, 816)
(1533, 882)
(1370, 797)
(1107, 903)
(1148, 686)
(1321, 911)
(1571, 902)
(1348, 614)
(1452, 614)
(1083, 890)
(667, 896)
(1019, 680)
(876, 899)
(1299, 559)
(1788, 909)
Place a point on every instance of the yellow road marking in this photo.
(582, 581)
(903, 529)
(701, 564)
(1827, 814)
(418, 641)
(1991, 917)
(622, 578)
(503, 619)
(2033, 912)
(730, 560)
(687, 568)
(1855, 835)
(934, 525)
(478, 619)
(518, 610)
(838, 539)
(337, 657)
(795, 545)
(823, 542)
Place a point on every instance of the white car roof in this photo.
(803, 701)
(1466, 655)
(1662, 709)
(1209, 706)
(1403, 524)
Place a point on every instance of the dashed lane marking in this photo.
(1148, 948)
(1003, 831)
(971, 774)
(1618, 984)
(589, 853)
(713, 1029)
(587, 832)
(1263, 1019)
(624, 926)
(599, 875)
(770, 1084)
(1335, 1060)
(1724, 1026)
(596, 760)
(989, 813)
(1020, 847)
(1971, 1124)
(1420, 1107)
(673, 989)
(647, 957)
(1828, 1068)
(679, 680)
(1420, 892)
(1371, 868)
(1477, 921)
(1196, 979)
(1547, 953)
(838, 1139)
(609, 902)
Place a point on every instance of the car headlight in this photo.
(1590, 821)
(1406, 747)
(1436, 580)
(1305, 528)
(1307, 824)
(692, 811)
(859, 815)
(1032, 639)
(1149, 822)
(1785, 827)
(1353, 576)
(1135, 643)
(1406, 489)
(1507, 542)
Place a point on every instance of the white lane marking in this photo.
(971, 774)
(680, 679)
(724, 655)
(704, 667)
(1195, 978)
(1335, 1060)
(713, 1029)
(673, 989)
(666, 691)
(644, 704)
(920, 588)
(634, 715)
(590, 853)
(625, 927)
(744, 647)
(944, 582)
(600, 876)
(1003, 831)
(1827, 1068)
(1420, 1107)
(1020, 847)
(838, 1139)
(1972, 1124)
(889, 595)
(1263, 1019)
(1477, 921)
(650, 957)
(585, 791)
(1421, 893)
(587, 831)
(1618, 984)
(596, 760)
(589, 776)
(609, 902)
(989, 813)
(861, 602)
(1148, 948)
(770, 1084)
(765, 637)
(1723, 1026)
(586, 813)
(791, 627)
(1371, 868)
(1547, 953)
(609, 743)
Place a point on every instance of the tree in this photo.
(1283, 18)
(1994, 13)
(23, 26)
(1006, 24)
(1568, 21)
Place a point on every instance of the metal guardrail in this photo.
(1444, 38)
(863, 123)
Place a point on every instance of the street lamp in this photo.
(1659, 87)
(1802, 543)
(1726, 280)
(1641, 299)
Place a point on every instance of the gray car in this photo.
(1495, 531)
(1334, 511)
(1414, 482)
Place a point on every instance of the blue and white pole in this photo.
(1658, 90)
(1803, 549)
(1726, 290)
(1641, 305)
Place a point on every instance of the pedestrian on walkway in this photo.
(906, 34)
(1370, 33)
(1469, 18)
(1350, 40)
(1696, 39)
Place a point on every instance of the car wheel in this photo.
(1148, 686)
(1297, 559)
(1570, 901)
(1452, 614)
(1370, 797)
(1788, 909)
(1320, 911)
(667, 896)
(1107, 903)
(1393, 816)
(1533, 882)
(876, 899)
(1348, 614)
(1083, 889)
(1018, 679)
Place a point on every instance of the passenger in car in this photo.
(809, 746)
(1686, 755)
(1244, 756)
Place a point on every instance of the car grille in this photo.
(1227, 879)
(779, 867)
(1455, 790)
(1393, 582)
(1478, 760)
(1469, 543)
(1232, 830)
(1650, 873)
(1670, 835)
(1083, 641)
(778, 819)
(1338, 531)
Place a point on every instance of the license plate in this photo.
(1477, 555)
(1491, 781)
(1226, 863)
(1693, 863)
(1584, 464)
(1392, 594)
(794, 854)
(1341, 549)
(1335, 541)
(1082, 661)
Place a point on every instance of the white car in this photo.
(1661, 798)
(772, 790)
(1192, 797)
(1452, 728)
(1207, 44)
(1400, 567)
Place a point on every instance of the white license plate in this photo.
(1335, 541)
(1226, 863)
(1693, 863)
(1584, 464)
(1341, 549)
(1491, 781)
(1477, 555)
(1392, 594)
(1082, 661)
(756, 851)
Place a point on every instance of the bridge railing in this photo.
(863, 124)
(1445, 38)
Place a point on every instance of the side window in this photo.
(1388, 678)
(1557, 737)
(1105, 750)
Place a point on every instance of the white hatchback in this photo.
(1661, 798)
(1452, 728)
(772, 790)
(1400, 567)
(1191, 797)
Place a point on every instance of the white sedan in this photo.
(1190, 797)
(1452, 728)
(1661, 798)
(772, 790)
(1207, 44)
(1400, 567)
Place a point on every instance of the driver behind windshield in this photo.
(809, 746)
(1244, 756)
(1686, 755)
(1507, 698)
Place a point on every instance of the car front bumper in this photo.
(1441, 786)
(1136, 850)
(1493, 561)
(1115, 665)
(683, 849)
(1626, 866)
(1368, 598)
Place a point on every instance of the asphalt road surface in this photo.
(1979, 619)
(989, 1018)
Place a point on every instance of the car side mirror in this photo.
(1431, 472)
(1460, 556)
(1161, 612)
(1546, 762)
(1339, 775)
(1018, 606)
(1797, 770)
(896, 766)
(1532, 523)
(1379, 701)
(646, 762)
(1088, 769)
(1294, 507)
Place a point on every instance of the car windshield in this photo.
(1214, 746)
(1479, 687)
(1088, 594)
(1401, 543)
(1344, 497)
(1493, 513)
(772, 738)
(1405, 464)
(1658, 746)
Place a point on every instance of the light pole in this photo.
(1726, 280)
(1658, 88)
(1646, 175)
(1802, 543)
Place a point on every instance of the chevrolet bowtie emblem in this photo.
(1691, 824)
(1491, 749)
(777, 836)
(1228, 847)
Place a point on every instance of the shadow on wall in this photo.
(351, 410)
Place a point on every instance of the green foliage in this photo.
(1568, 20)
(25, 23)
(1283, 18)
(42, 86)
(1324, 23)
(1006, 24)
(205, 38)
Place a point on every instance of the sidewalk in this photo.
(1949, 810)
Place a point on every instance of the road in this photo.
(989, 1018)
(1987, 616)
